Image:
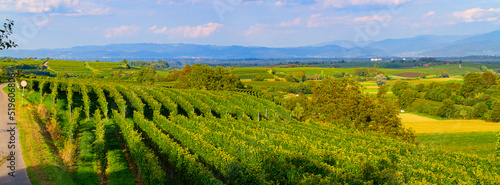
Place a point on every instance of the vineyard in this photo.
(136, 134)
(250, 73)
(70, 67)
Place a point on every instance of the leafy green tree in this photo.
(382, 91)
(340, 101)
(479, 109)
(406, 98)
(5, 42)
(422, 75)
(489, 77)
(473, 82)
(399, 87)
(419, 87)
(290, 78)
(444, 74)
(495, 112)
(447, 110)
(301, 75)
(273, 71)
(146, 76)
(205, 77)
(362, 72)
(380, 79)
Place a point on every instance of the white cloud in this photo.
(477, 15)
(35, 6)
(344, 3)
(188, 31)
(295, 22)
(364, 19)
(426, 20)
(96, 11)
(122, 31)
(258, 2)
(428, 14)
(280, 3)
(176, 2)
(316, 20)
(256, 29)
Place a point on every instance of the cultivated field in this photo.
(468, 136)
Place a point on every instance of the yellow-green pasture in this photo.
(467, 136)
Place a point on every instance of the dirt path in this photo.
(45, 64)
(20, 174)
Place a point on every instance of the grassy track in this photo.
(43, 164)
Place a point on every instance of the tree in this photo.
(273, 71)
(340, 101)
(124, 62)
(479, 109)
(382, 90)
(301, 75)
(406, 98)
(444, 74)
(422, 75)
(399, 87)
(447, 110)
(146, 76)
(495, 112)
(489, 77)
(290, 78)
(5, 42)
(361, 72)
(205, 77)
(380, 79)
(473, 82)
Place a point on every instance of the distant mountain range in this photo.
(425, 45)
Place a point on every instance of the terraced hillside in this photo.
(177, 136)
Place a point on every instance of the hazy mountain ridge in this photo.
(424, 45)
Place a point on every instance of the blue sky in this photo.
(271, 23)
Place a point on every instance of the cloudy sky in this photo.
(272, 23)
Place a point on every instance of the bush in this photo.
(447, 110)
(457, 99)
(479, 109)
(382, 90)
(380, 79)
(406, 98)
(258, 78)
(495, 112)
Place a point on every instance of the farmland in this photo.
(142, 131)
(468, 136)
(74, 68)
(255, 129)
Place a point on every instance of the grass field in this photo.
(480, 143)
(428, 125)
(468, 136)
